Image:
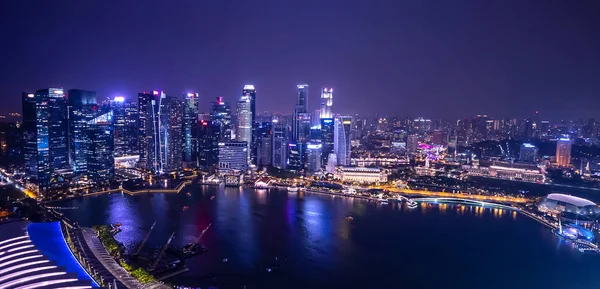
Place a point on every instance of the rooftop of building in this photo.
(577, 201)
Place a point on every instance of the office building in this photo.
(302, 120)
(265, 144)
(327, 137)
(45, 133)
(279, 147)
(190, 130)
(326, 103)
(125, 120)
(563, 152)
(11, 143)
(250, 92)
(295, 159)
(244, 122)
(171, 133)
(331, 163)
(412, 142)
(314, 157)
(208, 150)
(100, 159)
(82, 108)
(528, 153)
(220, 118)
(148, 130)
(342, 145)
(233, 156)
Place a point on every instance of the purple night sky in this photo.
(410, 58)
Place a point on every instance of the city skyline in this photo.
(400, 54)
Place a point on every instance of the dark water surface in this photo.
(386, 246)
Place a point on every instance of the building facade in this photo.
(148, 130)
(125, 120)
(82, 108)
(326, 103)
(233, 156)
(342, 144)
(190, 130)
(563, 152)
(100, 159)
(244, 122)
(314, 158)
(528, 153)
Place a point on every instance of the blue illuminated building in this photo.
(82, 108)
(295, 159)
(125, 120)
(46, 135)
(100, 154)
(327, 138)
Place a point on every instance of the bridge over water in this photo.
(463, 201)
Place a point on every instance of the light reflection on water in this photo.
(385, 246)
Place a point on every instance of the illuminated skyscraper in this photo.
(295, 158)
(244, 122)
(342, 145)
(233, 155)
(326, 103)
(190, 129)
(280, 138)
(220, 118)
(99, 155)
(327, 137)
(302, 121)
(171, 133)
(250, 92)
(125, 119)
(82, 108)
(45, 125)
(265, 144)
(563, 152)
(148, 130)
(314, 157)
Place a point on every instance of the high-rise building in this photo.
(279, 147)
(82, 108)
(125, 123)
(295, 159)
(100, 159)
(45, 124)
(331, 163)
(412, 141)
(250, 92)
(148, 130)
(265, 144)
(302, 121)
(563, 152)
(244, 122)
(528, 153)
(326, 103)
(342, 145)
(11, 143)
(190, 130)
(220, 118)
(171, 133)
(208, 150)
(327, 137)
(233, 155)
(314, 157)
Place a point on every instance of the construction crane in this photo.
(193, 245)
(163, 251)
(145, 239)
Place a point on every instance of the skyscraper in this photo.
(250, 92)
(302, 121)
(45, 125)
(220, 118)
(295, 158)
(412, 141)
(208, 151)
(171, 133)
(99, 155)
(82, 108)
(326, 103)
(280, 132)
(327, 137)
(190, 129)
(265, 144)
(563, 152)
(342, 145)
(528, 153)
(244, 122)
(148, 130)
(313, 157)
(125, 121)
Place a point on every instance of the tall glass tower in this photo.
(190, 131)
(82, 108)
(244, 122)
(148, 130)
(301, 122)
(342, 133)
(250, 92)
(125, 118)
(326, 103)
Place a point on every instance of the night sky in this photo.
(409, 58)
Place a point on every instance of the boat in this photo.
(189, 194)
(185, 208)
(225, 260)
(212, 198)
(293, 188)
(411, 204)
(349, 218)
(269, 269)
